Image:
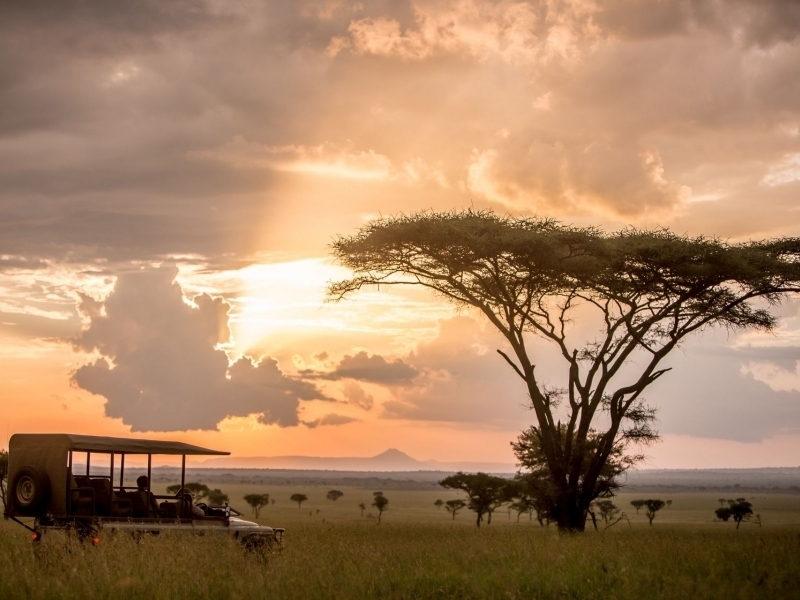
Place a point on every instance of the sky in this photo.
(172, 175)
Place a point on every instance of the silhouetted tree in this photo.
(721, 502)
(198, 490)
(669, 503)
(380, 502)
(439, 503)
(257, 501)
(3, 476)
(741, 510)
(453, 506)
(648, 289)
(537, 480)
(299, 498)
(637, 504)
(653, 506)
(363, 507)
(334, 495)
(485, 492)
(723, 513)
(607, 510)
(523, 505)
(216, 497)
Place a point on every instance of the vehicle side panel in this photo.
(48, 460)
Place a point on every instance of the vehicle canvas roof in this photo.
(95, 443)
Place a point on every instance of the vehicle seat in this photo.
(107, 503)
(81, 498)
(140, 507)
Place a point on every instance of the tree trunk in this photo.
(569, 514)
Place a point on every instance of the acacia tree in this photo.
(741, 510)
(648, 289)
(217, 497)
(198, 490)
(380, 502)
(652, 507)
(257, 502)
(299, 498)
(637, 504)
(485, 492)
(334, 495)
(453, 506)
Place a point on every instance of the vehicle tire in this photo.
(257, 543)
(30, 492)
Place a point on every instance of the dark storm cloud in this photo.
(159, 369)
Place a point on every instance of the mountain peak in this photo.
(393, 454)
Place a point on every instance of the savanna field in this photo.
(418, 551)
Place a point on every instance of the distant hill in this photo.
(390, 460)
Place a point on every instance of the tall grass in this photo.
(323, 560)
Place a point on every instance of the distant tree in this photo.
(363, 507)
(453, 506)
(3, 476)
(637, 504)
(741, 510)
(607, 510)
(334, 495)
(299, 498)
(653, 506)
(257, 502)
(198, 490)
(523, 505)
(439, 503)
(669, 503)
(272, 501)
(647, 290)
(485, 492)
(380, 502)
(724, 513)
(217, 498)
(721, 502)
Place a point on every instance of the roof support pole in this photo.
(183, 483)
(149, 469)
(88, 460)
(121, 472)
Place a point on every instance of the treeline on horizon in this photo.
(767, 480)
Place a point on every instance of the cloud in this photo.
(355, 394)
(463, 380)
(516, 32)
(330, 419)
(327, 159)
(785, 171)
(159, 368)
(374, 369)
(625, 180)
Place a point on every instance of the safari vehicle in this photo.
(45, 486)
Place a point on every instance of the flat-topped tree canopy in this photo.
(95, 443)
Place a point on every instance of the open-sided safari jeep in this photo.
(44, 485)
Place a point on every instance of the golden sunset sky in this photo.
(172, 174)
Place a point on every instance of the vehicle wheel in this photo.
(30, 491)
(257, 543)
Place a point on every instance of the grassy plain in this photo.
(418, 552)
